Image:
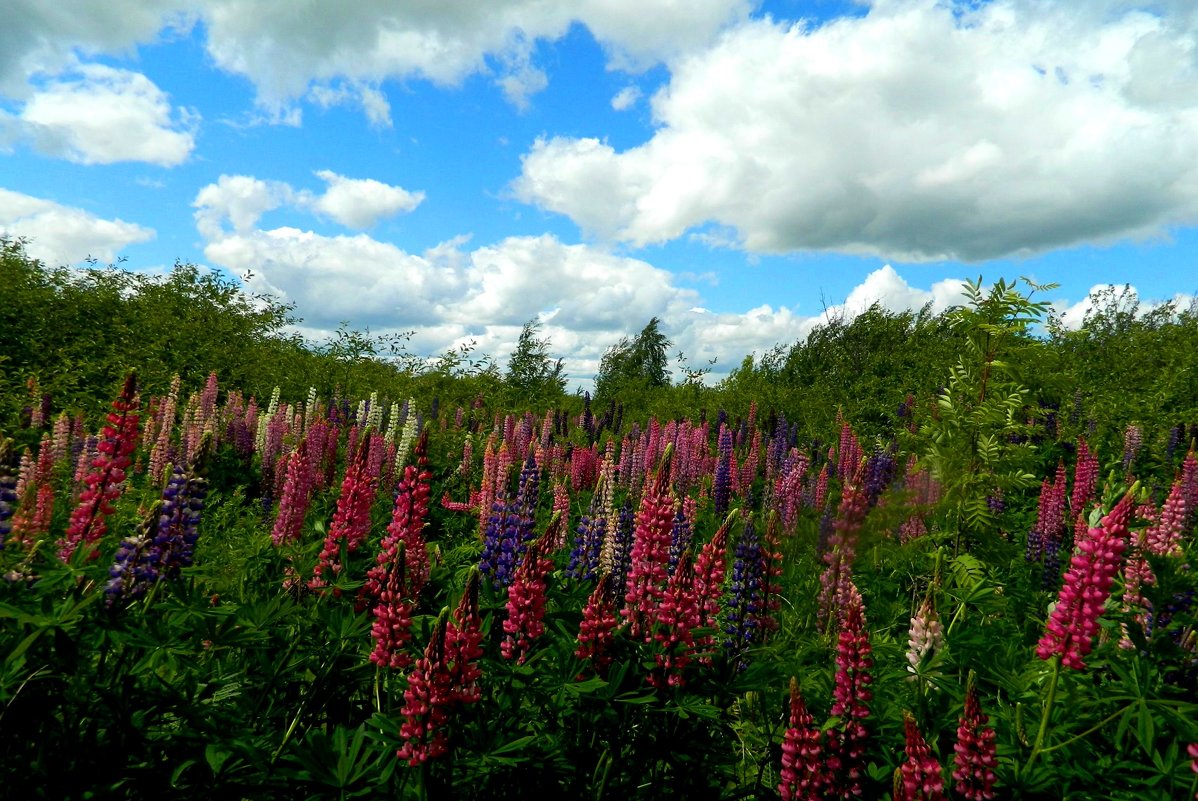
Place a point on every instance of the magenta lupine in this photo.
(406, 528)
(710, 569)
(802, 758)
(919, 777)
(836, 579)
(392, 627)
(463, 644)
(851, 696)
(596, 633)
(848, 455)
(295, 497)
(526, 604)
(650, 556)
(1137, 572)
(1192, 752)
(1085, 478)
(912, 528)
(36, 505)
(106, 480)
(820, 494)
(1071, 628)
(427, 701)
(976, 752)
(351, 520)
(1164, 537)
(674, 620)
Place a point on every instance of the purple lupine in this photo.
(498, 560)
(722, 487)
(681, 536)
(746, 594)
(620, 540)
(1133, 440)
(8, 496)
(584, 559)
(880, 469)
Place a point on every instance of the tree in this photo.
(532, 375)
(638, 364)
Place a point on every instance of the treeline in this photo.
(68, 337)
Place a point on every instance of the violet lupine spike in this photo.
(722, 485)
(802, 775)
(8, 497)
(681, 535)
(584, 559)
(498, 560)
(178, 521)
(919, 777)
(746, 595)
(1071, 628)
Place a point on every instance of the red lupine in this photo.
(351, 521)
(1085, 478)
(427, 701)
(463, 644)
(526, 603)
(673, 623)
(846, 743)
(392, 627)
(802, 758)
(976, 752)
(596, 633)
(919, 776)
(1074, 621)
(107, 477)
(710, 569)
(295, 497)
(407, 526)
(650, 554)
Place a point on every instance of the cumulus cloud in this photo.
(60, 235)
(1072, 316)
(361, 202)
(626, 98)
(919, 131)
(103, 115)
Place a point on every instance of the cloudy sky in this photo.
(737, 168)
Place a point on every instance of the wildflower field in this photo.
(212, 594)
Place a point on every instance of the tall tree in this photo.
(532, 374)
(639, 363)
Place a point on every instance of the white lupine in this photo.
(264, 421)
(310, 408)
(392, 423)
(374, 418)
(927, 634)
(406, 437)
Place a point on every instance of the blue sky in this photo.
(737, 169)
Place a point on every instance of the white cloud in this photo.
(626, 98)
(60, 235)
(920, 131)
(371, 100)
(240, 199)
(103, 115)
(1072, 316)
(361, 202)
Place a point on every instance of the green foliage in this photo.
(634, 367)
(533, 379)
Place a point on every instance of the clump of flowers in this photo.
(646, 583)
(526, 604)
(846, 744)
(351, 521)
(596, 633)
(1074, 621)
(802, 765)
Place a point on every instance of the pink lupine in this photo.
(1164, 537)
(802, 758)
(463, 644)
(596, 633)
(920, 778)
(406, 529)
(842, 547)
(36, 497)
(392, 627)
(976, 752)
(1085, 478)
(106, 480)
(820, 496)
(1071, 628)
(351, 520)
(294, 499)
(650, 553)
(674, 621)
(912, 528)
(851, 694)
(526, 604)
(427, 702)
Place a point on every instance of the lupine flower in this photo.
(820, 494)
(879, 471)
(846, 743)
(919, 778)
(463, 644)
(842, 548)
(584, 559)
(647, 573)
(427, 702)
(596, 633)
(295, 497)
(526, 604)
(912, 528)
(722, 486)
(1133, 439)
(106, 480)
(745, 594)
(1074, 621)
(1085, 478)
(976, 752)
(8, 497)
(927, 634)
(802, 760)
(1164, 538)
(674, 620)
(405, 533)
(351, 520)
(32, 519)
(1189, 485)
(710, 568)
(680, 535)
(392, 627)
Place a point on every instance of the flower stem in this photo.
(1038, 745)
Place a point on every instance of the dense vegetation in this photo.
(911, 556)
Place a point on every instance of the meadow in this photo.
(955, 564)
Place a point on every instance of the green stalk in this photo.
(1038, 745)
